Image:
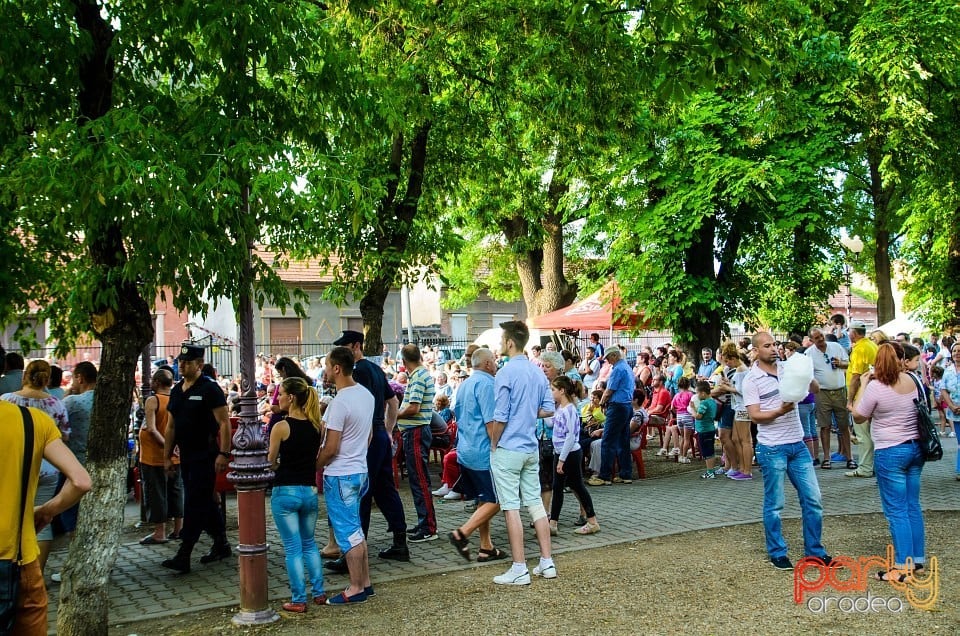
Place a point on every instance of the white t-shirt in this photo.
(351, 413)
(828, 377)
(759, 387)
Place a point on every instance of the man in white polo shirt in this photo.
(781, 452)
(829, 360)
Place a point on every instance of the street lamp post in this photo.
(250, 470)
(853, 245)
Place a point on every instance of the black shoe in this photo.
(781, 563)
(216, 553)
(422, 536)
(179, 563)
(337, 565)
(395, 553)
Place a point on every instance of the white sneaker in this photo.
(452, 496)
(683, 460)
(56, 577)
(549, 572)
(443, 490)
(511, 578)
(662, 452)
(675, 452)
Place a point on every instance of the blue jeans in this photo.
(956, 431)
(615, 443)
(295, 513)
(808, 420)
(793, 461)
(898, 478)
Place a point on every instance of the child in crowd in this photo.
(681, 402)
(936, 377)
(705, 417)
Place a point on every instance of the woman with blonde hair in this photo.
(741, 439)
(34, 394)
(294, 444)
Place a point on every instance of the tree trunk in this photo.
(881, 198)
(886, 309)
(83, 593)
(371, 309)
(700, 326)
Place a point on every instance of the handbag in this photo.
(929, 435)
(10, 570)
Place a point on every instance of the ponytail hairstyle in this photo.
(306, 398)
(565, 384)
(37, 375)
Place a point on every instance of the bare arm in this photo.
(390, 417)
(494, 432)
(280, 432)
(331, 446)
(766, 417)
(223, 419)
(150, 418)
(169, 437)
(410, 410)
(78, 483)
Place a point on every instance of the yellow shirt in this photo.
(861, 357)
(11, 470)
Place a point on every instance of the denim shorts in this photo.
(726, 417)
(685, 421)
(516, 478)
(342, 495)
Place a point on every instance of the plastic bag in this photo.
(795, 377)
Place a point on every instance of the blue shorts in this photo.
(342, 495)
(726, 417)
(707, 442)
(476, 484)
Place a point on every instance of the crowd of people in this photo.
(520, 427)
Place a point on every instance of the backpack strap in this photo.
(25, 478)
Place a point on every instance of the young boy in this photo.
(705, 426)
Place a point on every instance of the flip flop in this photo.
(484, 555)
(149, 540)
(893, 575)
(461, 543)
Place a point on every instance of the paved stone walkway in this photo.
(140, 588)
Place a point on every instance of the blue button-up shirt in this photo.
(621, 382)
(521, 391)
(474, 408)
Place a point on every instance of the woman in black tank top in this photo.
(294, 444)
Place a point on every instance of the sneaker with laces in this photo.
(422, 536)
(662, 452)
(781, 563)
(720, 471)
(675, 452)
(548, 572)
(684, 460)
(512, 578)
(441, 491)
(452, 496)
(708, 475)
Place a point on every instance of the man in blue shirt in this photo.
(615, 443)
(522, 395)
(474, 411)
(708, 366)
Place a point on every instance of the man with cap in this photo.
(382, 488)
(617, 399)
(199, 425)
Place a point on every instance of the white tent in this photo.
(904, 324)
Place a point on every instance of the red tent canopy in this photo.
(600, 310)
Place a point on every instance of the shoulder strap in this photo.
(920, 394)
(25, 478)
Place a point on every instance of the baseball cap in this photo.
(190, 352)
(348, 338)
(857, 324)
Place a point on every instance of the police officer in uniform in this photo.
(199, 425)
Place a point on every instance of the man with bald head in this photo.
(781, 452)
(474, 411)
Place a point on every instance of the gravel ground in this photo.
(707, 582)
